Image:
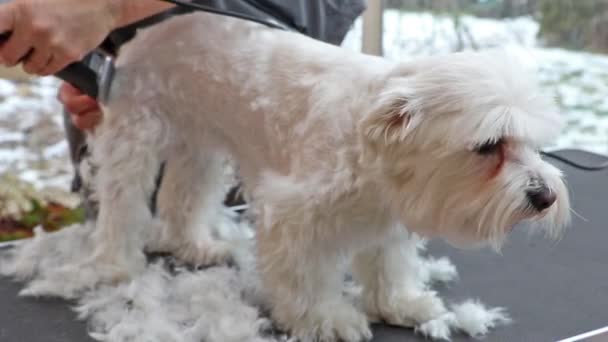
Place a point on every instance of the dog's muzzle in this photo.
(541, 198)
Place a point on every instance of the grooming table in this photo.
(552, 290)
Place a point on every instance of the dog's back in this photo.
(261, 89)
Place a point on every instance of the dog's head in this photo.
(454, 142)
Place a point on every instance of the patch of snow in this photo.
(32, 139)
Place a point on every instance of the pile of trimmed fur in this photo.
(169, 302)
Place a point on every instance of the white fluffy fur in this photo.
(475, 319)
(189, 307)
(49, 263)
(339, 153)
(218, 304)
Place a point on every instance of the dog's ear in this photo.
(388, 123)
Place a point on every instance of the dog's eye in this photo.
(489, 147)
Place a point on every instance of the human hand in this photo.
(50, 34)
(85, 112)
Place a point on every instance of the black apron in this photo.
(325, 20)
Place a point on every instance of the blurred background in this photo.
(566, 40)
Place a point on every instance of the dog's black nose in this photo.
(541, 198)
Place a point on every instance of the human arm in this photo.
(53, 33)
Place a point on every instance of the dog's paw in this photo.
(332, 322)
(473, 318)
(439, 328)
(205, 253)
(440, 270)
(410, 310)
(120, 264)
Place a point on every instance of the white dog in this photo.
(344, 156)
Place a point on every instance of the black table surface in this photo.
(552, 290)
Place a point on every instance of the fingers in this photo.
(49, 68)
(37, 40)
(37, 61)
(7, 17)
(14, 49)
(86, 121)
(80, 104)
(75, 101)
(56, 64)
(84, 110)
(43, 61)
(67, 89)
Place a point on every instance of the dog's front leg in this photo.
(128, 159)
(395, 288)
(303, 278)
(190, 207)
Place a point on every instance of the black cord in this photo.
(199, 7)
(565, 160)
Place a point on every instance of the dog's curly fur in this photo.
(345, 158)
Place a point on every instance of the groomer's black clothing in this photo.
(325, 20)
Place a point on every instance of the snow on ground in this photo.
(580, 83)
(32, 143)
(32, 140)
